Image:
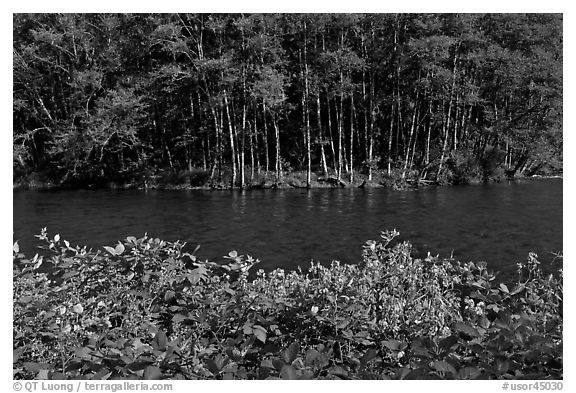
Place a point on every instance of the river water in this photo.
(497, 223)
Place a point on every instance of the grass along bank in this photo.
(144, 309)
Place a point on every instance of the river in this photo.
(498, 223)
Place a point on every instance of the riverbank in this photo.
(200, 180)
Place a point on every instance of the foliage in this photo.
(110, 97)
(145, 309)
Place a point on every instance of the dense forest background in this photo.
(234, 99)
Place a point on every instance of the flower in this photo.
(314, 310)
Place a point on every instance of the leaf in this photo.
(25, 299)
(119, 248)
(469, 373)
(110, 250)
(393, 345)
(466, 329)
(56, 238)
(16, 353)
(369, 355)
(233, 254)
(290, 353)
(82, 353)
(444, 367)
(16, 248)
(169, 295)
(504, 288)
(342, 324)
(36, 367)
(259, 332)
(160, 341)
(315, 358)
(484, 322)
(77, 308)
(288, 372)
(339, 372)
(519, 288)
(131, 239)
(138, 365)
(152, 372)
(446, 343)
(266, 363)
(212, 366)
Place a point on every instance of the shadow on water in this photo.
(497, 223)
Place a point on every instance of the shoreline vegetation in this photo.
(146, 309)
(198, 180)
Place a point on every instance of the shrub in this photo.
(146, 309)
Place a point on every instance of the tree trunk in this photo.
(351, 138)
(446, 125)
(266, 155)
(278, 162)
(321, 133)
(231, 131)
(410, 136)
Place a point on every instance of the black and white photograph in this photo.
(287, 196)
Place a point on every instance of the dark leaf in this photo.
(160, 341)
(447, 343)
(290, 353)
(369, 355)
(466, 329)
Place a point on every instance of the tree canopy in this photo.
(442, 96)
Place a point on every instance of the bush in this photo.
(146, 309)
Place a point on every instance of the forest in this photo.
(235, 100)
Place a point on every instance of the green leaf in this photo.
(16, 248)
(290, 353)
(233, 254)
(131, 239)
(504, 288)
